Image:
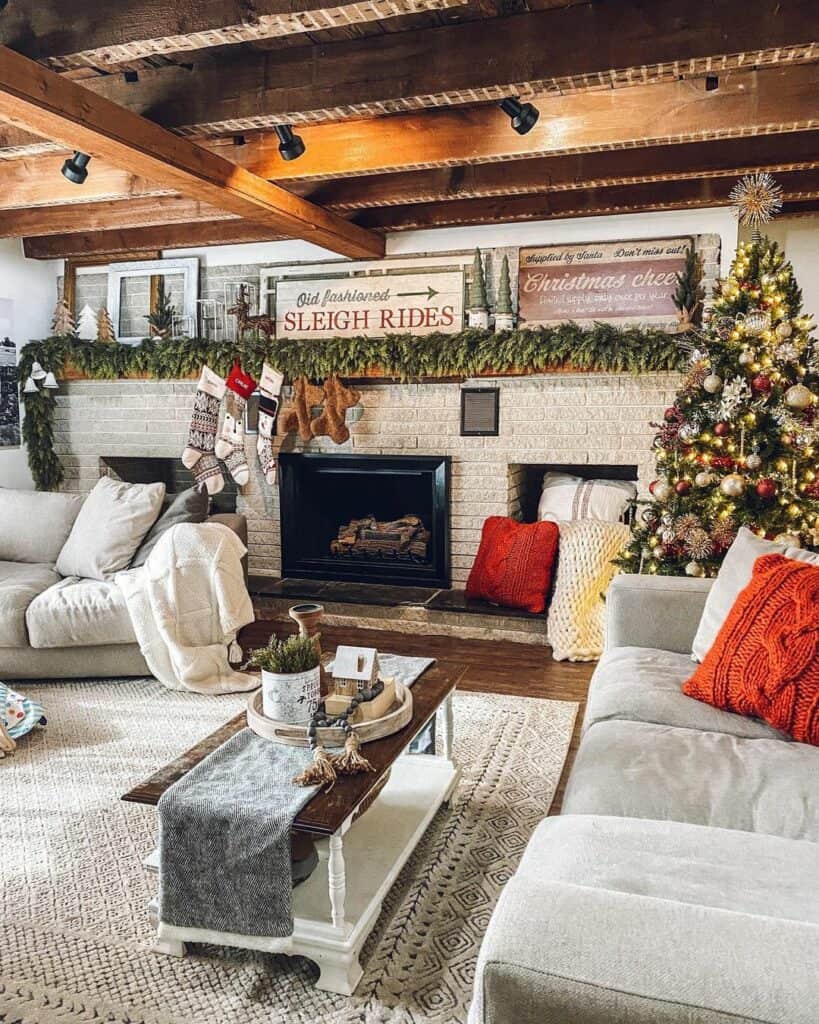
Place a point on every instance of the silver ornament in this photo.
(703, 479)
(753, 462)
(712, 383)
(799, 397)
(732, 486)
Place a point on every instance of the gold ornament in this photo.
(732, 486)
(799, 397)
(757, 199)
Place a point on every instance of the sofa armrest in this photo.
(236, 522)
(654, 611)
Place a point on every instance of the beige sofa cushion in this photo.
(20, 583)
(79, 613)
(110, 527)
(35, 524)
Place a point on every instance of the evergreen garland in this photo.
(602, 347)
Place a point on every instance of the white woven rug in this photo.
(74, 934)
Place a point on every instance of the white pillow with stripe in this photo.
(566, 498)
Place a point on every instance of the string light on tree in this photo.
(740, 444)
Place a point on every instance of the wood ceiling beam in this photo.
(727, 158)
(748, 104)
(527, 54)
(110, 32)
(800, 188)
(41, 101)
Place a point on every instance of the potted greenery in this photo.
(291, 678)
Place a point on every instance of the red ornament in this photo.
(761, 384)
(682, 487)
(722, 429)
(766, 489)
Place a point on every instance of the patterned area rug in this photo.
(74, 933)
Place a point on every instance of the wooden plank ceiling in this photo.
(642, 107)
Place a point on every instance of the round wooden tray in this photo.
(399, 716)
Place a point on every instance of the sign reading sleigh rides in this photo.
(370, 307)
(625, 282)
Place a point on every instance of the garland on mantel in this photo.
(602, 347)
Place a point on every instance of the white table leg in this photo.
(337, 880)
(448, 726)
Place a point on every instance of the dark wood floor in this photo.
(493, 666)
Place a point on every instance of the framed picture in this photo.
(480, 412)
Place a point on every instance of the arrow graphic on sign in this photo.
(430, 294)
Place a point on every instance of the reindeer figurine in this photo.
(263, 323)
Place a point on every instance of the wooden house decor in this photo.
(355, 669)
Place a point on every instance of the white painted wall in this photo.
(718, 220)
(799, 237)
(31, 285)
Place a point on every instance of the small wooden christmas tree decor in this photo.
(478, 307)
(63, 324)
(105, 328)
(504, 314)
(87, 324)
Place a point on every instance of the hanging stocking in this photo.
(270, 386)
(230, 447)
(198, 455)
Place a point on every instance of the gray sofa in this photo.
(67, 628)
(681, 881)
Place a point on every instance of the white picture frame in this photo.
(188, 266)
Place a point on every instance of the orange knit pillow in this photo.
(765, 660)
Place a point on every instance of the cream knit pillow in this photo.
(576, 623)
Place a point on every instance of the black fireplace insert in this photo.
(366, 518)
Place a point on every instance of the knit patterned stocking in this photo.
(270, 386)
(199, 455)
(230, 447)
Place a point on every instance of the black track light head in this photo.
(523, 115)
(76, 169)
(291, 146)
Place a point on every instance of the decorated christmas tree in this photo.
(740, 444)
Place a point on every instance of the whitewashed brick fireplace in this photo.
(562, 418)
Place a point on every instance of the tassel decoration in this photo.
(321, 772)
(351, 762)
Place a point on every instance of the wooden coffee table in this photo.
(360, 855)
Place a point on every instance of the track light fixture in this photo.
(291, 146)
(523, 115)
(76, 169)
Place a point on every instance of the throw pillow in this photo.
(112, 522)
(734, 574)
(765, 660)
(577, 613)
(189, 506)
(565, 497)
(513, 566)
(35, 524)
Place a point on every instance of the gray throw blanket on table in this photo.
(224, 839)
(224, 832)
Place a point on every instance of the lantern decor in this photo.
(740, 445)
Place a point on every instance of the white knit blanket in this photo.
(576, 624)
(187, 603)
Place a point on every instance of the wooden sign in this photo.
(616, 281)
(370, 307)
